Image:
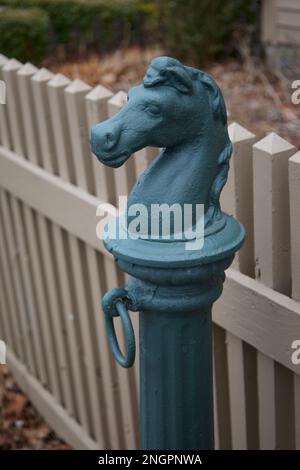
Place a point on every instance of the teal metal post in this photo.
(174, 279)
(175, 362)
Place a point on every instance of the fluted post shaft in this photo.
(176, 380)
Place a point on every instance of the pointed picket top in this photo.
(59, 81)
(12, 65)
(78, 86)
(99, 93)
(238, 133)
(273, 144)
(27, 69)
(43, 75)
(119, 99)
(295, 158)
(3, 60)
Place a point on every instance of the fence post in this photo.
(175, 279)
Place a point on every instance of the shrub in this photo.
(200, 30)
(24, 33)
(94, 24)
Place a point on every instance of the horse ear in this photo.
(179, 78)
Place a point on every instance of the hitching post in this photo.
(175, 274)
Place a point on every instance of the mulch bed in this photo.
(21, 427)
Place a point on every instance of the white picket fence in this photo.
(53, 272)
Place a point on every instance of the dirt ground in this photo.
(21, 427)
(256, 97)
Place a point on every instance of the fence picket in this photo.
(125, 175)
(271, 212)
(7, 298)
(237, 392)
(78, 128)
(9, 71)
(237, 195)
(17, 341)
(297, 410)
(97, 111)
(40, 295)
(285, 409)
(39, 83)
(251, 396)
(33, 317)
(62, 142)
(24, 76)
(5, 138)
(221, 387)
(110, 402)
(5, 333)
(216, 422)
(143, 158)
(294, 185)
(83, 312)
(266, 400)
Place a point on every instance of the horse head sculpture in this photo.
(182, 110)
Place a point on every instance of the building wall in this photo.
(281, 34)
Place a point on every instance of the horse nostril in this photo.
(110, 140)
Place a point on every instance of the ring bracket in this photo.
(116, 303)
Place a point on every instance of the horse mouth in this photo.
(116, 160)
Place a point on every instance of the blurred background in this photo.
(111, 42)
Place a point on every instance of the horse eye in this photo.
(153, 109)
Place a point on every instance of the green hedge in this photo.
(192, 30)
(98, 24)
(24, 33)
(200, 30)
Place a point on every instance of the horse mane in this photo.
(170, 72)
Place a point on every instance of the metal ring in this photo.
(117, 304)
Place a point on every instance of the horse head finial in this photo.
(181, 110)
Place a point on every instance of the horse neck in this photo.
(182, 174)
(195, 164)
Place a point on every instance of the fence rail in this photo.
(53, 272)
